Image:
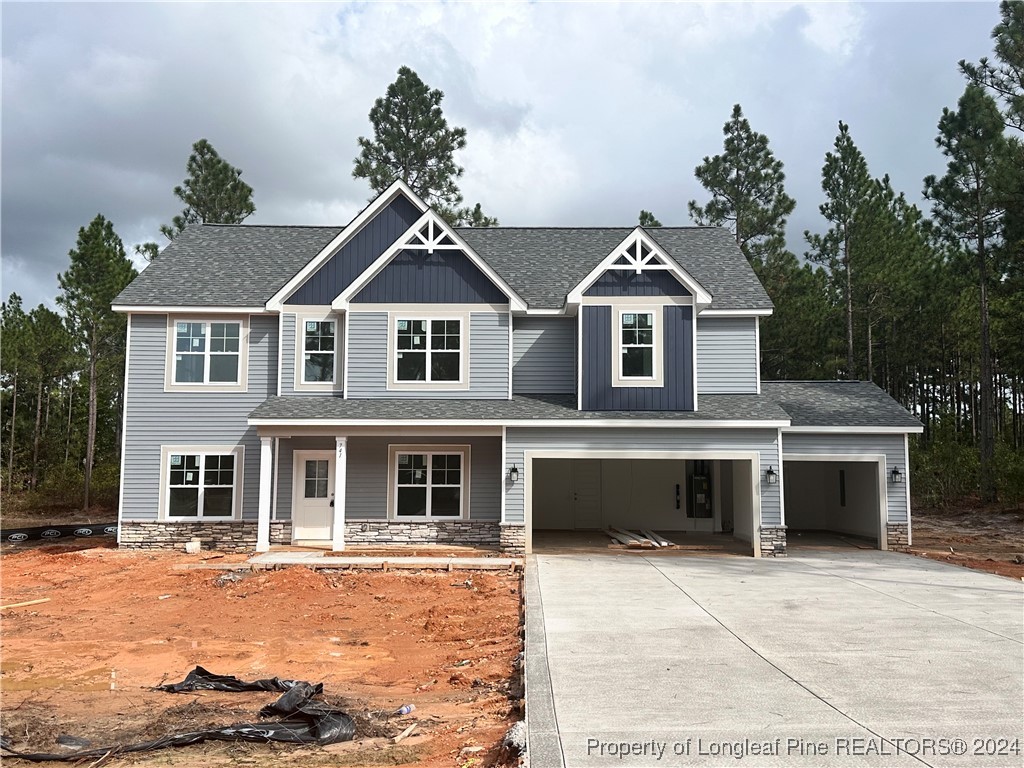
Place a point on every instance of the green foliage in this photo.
(945, 470)
(1005, 77)
(747, 189)
(647, 219)
(213, 193)
(413, 142)
(468, 217)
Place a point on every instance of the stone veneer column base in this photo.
(773, 541)
(238, 536)
(897, 536)
(513, 539)
(480, 533)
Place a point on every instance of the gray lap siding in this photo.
(155, 418)
(366, 496)
(764, 441)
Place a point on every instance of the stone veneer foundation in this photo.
(241, 535)
(897, 536)
(773, 541)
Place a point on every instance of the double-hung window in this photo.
(201, 484)
(637, 352)
(429, 482)
(319, 348)
(207, 352)
(428, 350)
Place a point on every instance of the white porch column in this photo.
(266, 477)
(340, 471)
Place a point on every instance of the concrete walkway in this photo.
(824, 658)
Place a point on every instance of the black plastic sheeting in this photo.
(301, 719)
(58, 532)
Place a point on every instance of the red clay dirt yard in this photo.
(118, 623)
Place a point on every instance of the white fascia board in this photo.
(567, 311)
(709, 312)
(857, 430)
(382, 201)
(189, 310)
(617, 423)
(700, 293)
(341, 302)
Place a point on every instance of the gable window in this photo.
(201, 484)
(318, 346)
(637, 345)
(428, 350)
(207, 353)
(637, 330)
(428, 482)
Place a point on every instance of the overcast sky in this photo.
(577, 114)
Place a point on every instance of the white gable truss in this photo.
(399, 187)
(639, 253)
(430, 233)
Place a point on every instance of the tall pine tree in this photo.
(968, 207)
(412, 141)
(99, 271)
(747, 189)
(845, 182)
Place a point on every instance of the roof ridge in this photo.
(624, 226)
(274, 226)
(814, 381)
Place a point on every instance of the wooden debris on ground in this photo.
(644, 539)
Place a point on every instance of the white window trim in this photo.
(242, 385)
(657, 324)
(428, 316)
(429, 449)
(238, 451)
(299, 383)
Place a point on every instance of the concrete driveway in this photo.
(824, 658)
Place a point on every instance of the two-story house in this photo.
(398, 380)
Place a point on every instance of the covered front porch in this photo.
(376, 487)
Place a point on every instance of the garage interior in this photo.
(832, 497)
(705, 504)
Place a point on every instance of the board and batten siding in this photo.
(366, 492)
(727, 355)
(289, 332)
(677, 339)
(442, 277)
(154, 418)
(840, 444)
(518, 440)
(368, 364)
(543, 355)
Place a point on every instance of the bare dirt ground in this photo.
(974, 536)
(118, 623)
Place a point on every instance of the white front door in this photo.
(313, 496)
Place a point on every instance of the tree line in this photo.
(929, 305)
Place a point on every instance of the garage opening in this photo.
(694, 504)
(832, 502)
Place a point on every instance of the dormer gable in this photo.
(638, 266)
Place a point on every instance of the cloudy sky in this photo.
(577, 114)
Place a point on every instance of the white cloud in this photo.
(834, 27)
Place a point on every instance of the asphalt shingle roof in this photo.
(226, 266)
(837, 404)
(244, 265)
(520, 407)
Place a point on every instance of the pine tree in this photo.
(747, 189)
(14, 332)
(648, 219)
(471, 217)
(1005, 78)
(845, 182)
(99, 271)
(968, 207)
(413, 142)
(213, 193)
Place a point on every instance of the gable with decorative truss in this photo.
(429, 263)
(639, 267)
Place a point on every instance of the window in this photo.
(429, 483)
(637, 357)
(316, 479)
(428, 350)
(207, 352)
(318, 352)
(201, 485)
